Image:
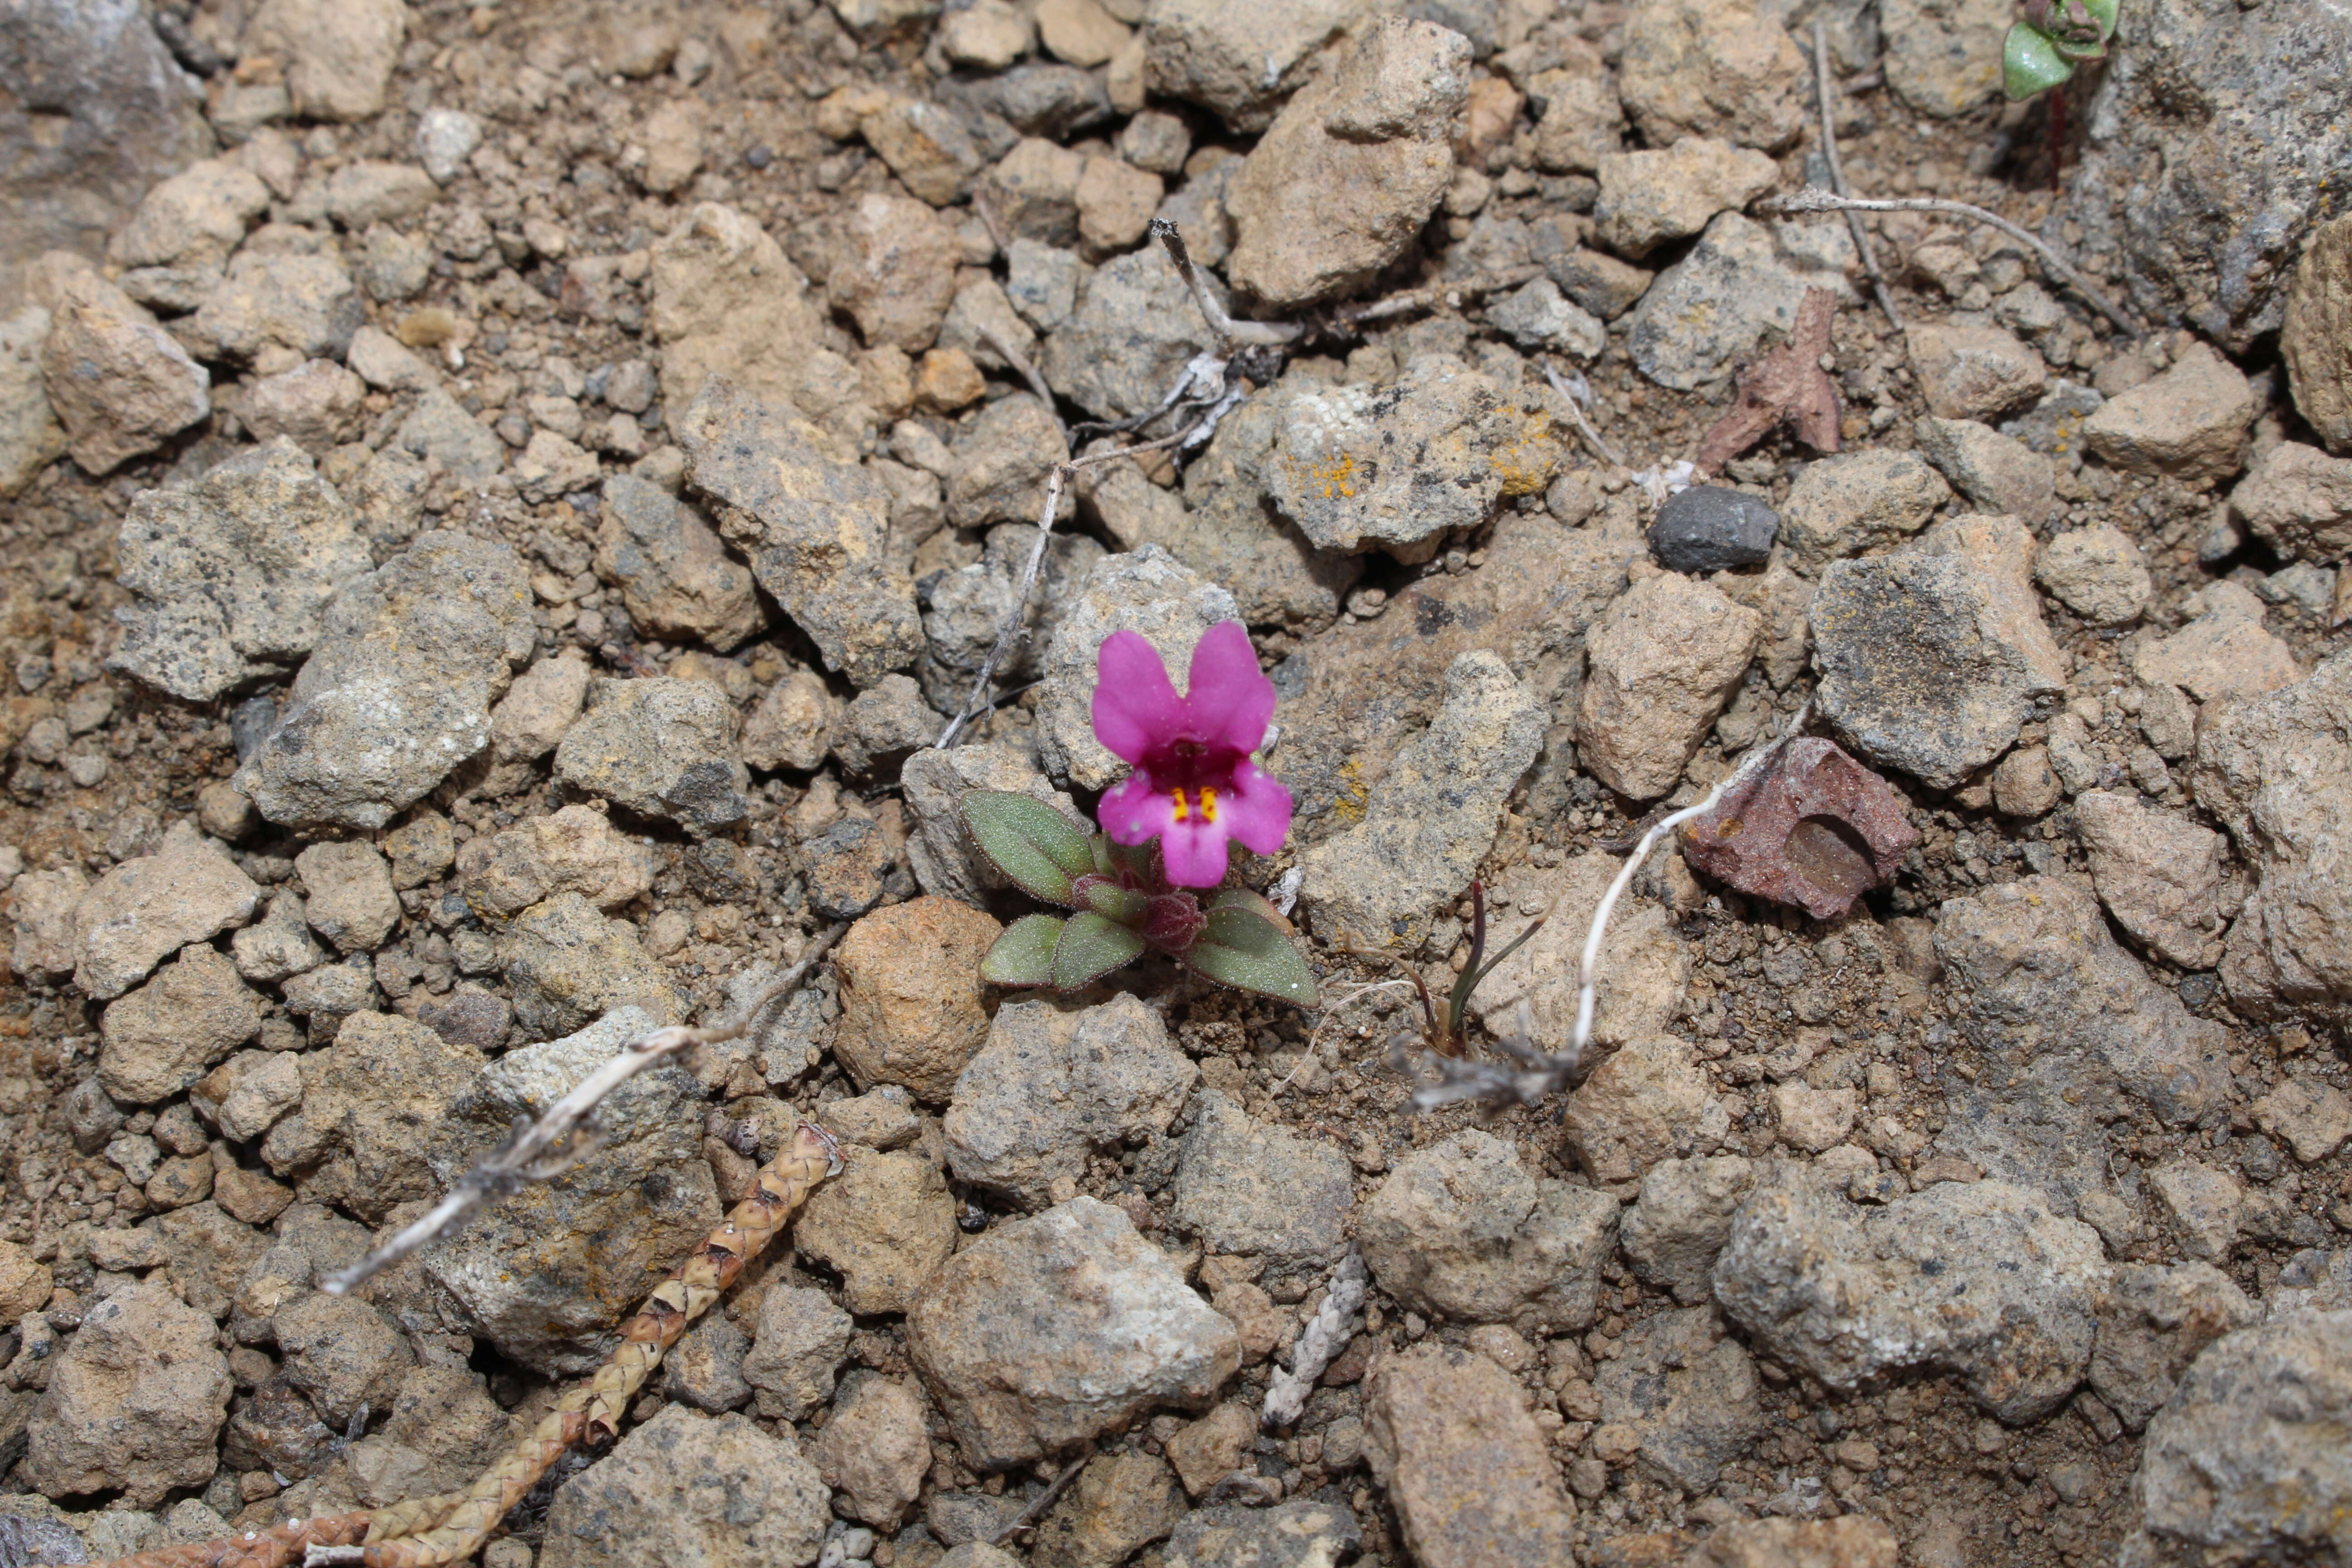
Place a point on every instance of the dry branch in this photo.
(1837, 176)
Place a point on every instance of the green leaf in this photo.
(1241, 898)
(1091, 947)
(1029, 841)
(2031, 63)
(1123, 905)
(1249, 953)
(1023, 955)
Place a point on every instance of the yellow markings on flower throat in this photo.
(1208, 804)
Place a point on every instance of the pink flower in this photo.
(1193, 787)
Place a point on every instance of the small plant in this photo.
(1444, 1033)
(2051, 39)
(1168, 827)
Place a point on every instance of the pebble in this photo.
(1042, 1333)
(150, 907)
(716, 1486)
(118, 382)
(1301, 1534)
(912, 1009)
(162, 1036)
(1648, 1101)
(661, 747)
(799, 1339)
(2158, 875)
(1973, 373)
(1846, 504)
(134, 1403)
(1997, 473)
(1244, 1187)
(2153, 1321)
(1129, 337)
(2226, 651)
(1650, 197)
(1710, 312)
(1680, 1220)
(1686, 1392)
(2317, 324)
(1239, 65)
(1463, 1464)
(677, 580)
(1662, 664)
(883, 1225)
(2190, 422)
(1728, 71)
(2098, 573)
(1813, 827)
(875, 1449)
(445, 138)
(1710, 529)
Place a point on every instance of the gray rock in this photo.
(1997, 473)
(1930, 661)
(30, 436)
(343, 1352)
(398, 689)
(815, 523)
(1242, 63)
(526, 1272)
(1690, 1393)
(569, 964)
(1133, 330)
(2207, 205)
(883, 1225)
(1246, 1188)
(675, 578)
(1977, 1278)
(1970, 372)
(799, 1342)
(967, 609)
(662, 747)
(274, 308)
(1464, 1465)
(2244, 1461)
(440, 430)
(1460, 1230)
(710, 1488)
(883, 726)
(1849, 503)
(119, 383)
(999, 462)
(1680, 1220)
(2153, 1321)
(1380, 883)
(1303, 1533)
(2273, 770)
(1041, 281)
(2036, 971)
(1056, 1084)
(932, 784)
(1399, 468)
(846, 867)
(445, 138)
(1043, 1333)
(1148, 592)
(1537, 316)
(2298, 500)
(1741, 280)
(1708, 529)
(99, 111)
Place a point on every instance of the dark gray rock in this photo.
(1689, 1389)
(1710, 529)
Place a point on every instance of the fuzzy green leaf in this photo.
(2031, 63)
(1249, 953)
(1123, 905)
(1091, 947)
(1023, 955)
(1033, 845)
(1241, 898)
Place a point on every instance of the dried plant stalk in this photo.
(427, 1532)
(1324, 1337)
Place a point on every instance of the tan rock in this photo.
(2313, 1116)
(793, 723)
(372, 1105)
(351, 902)
(2024, 784)
(135, 1403)
(120, 386)
(2317, 336)
(30, 437)
(895, 270)
(1973, 373)
(877, 1448)
(1813, 1119)
(2190, 422)
(1212, 1448)
(25, 1285)
(1722, 71)
(1662, 664)
(912, 1006)
(1466, 1468)
(2298, 501)
(1079, 32)
(1645, 1103)
(725, 299)
(1845, 504)
(1116, 202)
(337, 54)
(162, 1036)
(2225, 652)
(43, 905)
(2096, 571)
(1580, 120)
(883, 1225)
(1650, 197)
(2158, 874)
(574, 850)
(1122, 1502)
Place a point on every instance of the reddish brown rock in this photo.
(1813, 828)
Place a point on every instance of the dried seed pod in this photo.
(1813, 828)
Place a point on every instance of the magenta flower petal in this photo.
(1135, 708)
(1193, 851)
(1254, 809)
(1133, 812)
(1229, 700)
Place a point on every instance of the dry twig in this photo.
(1788, 386)
(1038, 1505)
(1327, 1334)
(1813, 199)
(1021, 368)
(1567, 390)
(543, 1149)
(1837, 176)
(1230, 332)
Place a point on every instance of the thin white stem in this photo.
(521, 1160)
(1602, 449)
(1253, 335)
(1813, 199)
(980, 700)
(1837, 175)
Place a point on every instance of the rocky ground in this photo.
(501, 501)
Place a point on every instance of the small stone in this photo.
(2233, 1467)
(1996, 473)
(568, 965)
(120, 384)
(911, 995)
(1460, 1231)
(1122, 1502)
(1042, 1333)
(575, 850)
(1685, 1392)
(30, 437)
(341, 1351)
(1243, 1187)
(1116, 200)
(847, 867)
(1680, 1220)
(2153, 1321)
(894, 273)
(2203, 1202)
(1813, 827)
(1846, 504)
(792, 725)
(445, 138)
(1537, 316)
(2225, 652)
(712, 1488)
(148, 908)
(1434, 820)
(1732, 72)
(706, 1367)
(1813, 1119)
(1650, 197)
(662, 747)
(134, 1403)
(1297, 1535)
(279, 946)
(725, 302)
(276, 308)
(1240, 65)
(677, 580)
(538, 709)
(2159, 875)
(2096, 571)
(1055, 1083)
(162, 1036)
(1973, 373)
(1210, 1450)
(933, 783)
(2317, 325)
(246, 1094)
(25, 1285)
(1978, 1279)
(351, 902)
(2190, 422)
(1464, 1465)
(883, 1225)
(798, 1344)
(1664, 662)
(338, 56)
(876, 1449)
(2313, 1117)
(1133, 329)
(1944, 56)
(2298, 500)
(1645, 1102)
(1351, 167)
(1708, 529)
(1708, 313)
(987, 37)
